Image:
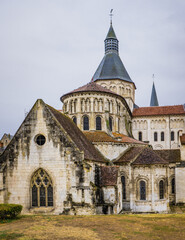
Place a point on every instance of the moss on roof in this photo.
(170, 155)
(90, 152)
(140, 156)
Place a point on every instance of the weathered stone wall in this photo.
(111, 150)
(179, 183)
(151, 175)
(122, 88)
(183, 152)
(95, 105)
(158, 124)
(58, 157)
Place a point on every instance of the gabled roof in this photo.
(140, 156)
(154, 100)
(170, 155)
(156, 111)
(100, 136)
(90, 152)
(72, 131)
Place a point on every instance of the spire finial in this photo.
(111, 14)
(153, 76)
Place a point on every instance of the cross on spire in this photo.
(111, 14)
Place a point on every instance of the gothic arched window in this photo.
(98, 123)
(123, 187)
(173, 185)
(162, 136)
(140, 136)
(110, 123)
(142, 186)
(172, 136)
(155, 136)
(85, 123)
(42, 189)
(161, 189)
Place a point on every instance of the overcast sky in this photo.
(50, 47)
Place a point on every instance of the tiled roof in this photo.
(109, 175)
(126, 139)
(140, 156)
(129, 155)
(154, 111)
(148, 156)
(182, 138)
(170, 155)
(100, 136)
(94, 87)
(77, 136)
(90, 87)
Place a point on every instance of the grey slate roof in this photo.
(154, 100)
(111, 67)
(111, 33)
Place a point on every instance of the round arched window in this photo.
(40, 140)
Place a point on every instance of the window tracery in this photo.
(42, 189)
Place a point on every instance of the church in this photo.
(102, 154)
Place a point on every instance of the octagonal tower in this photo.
(111, 72)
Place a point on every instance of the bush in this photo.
(8, 211)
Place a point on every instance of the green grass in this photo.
(5, 235)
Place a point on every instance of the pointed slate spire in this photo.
(111, 33)
(111, 41)
(154, 100)
(111, 66)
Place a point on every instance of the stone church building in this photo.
(101, 153)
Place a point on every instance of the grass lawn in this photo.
(99, 227)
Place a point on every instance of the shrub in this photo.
(9, 210)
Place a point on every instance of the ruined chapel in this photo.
(101, 154)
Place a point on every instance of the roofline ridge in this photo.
(162, 106)
(132, 161)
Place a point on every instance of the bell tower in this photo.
(111, 73)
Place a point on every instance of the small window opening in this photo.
(172, 136)
(155, 136)
(85, 123)
(123, 187)
(173, 185)
(140, 136)
(161, 189)
(75, 120)
(142, 190)
(110, 123)
(98, 123)
(40, 140)
(162, 136)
